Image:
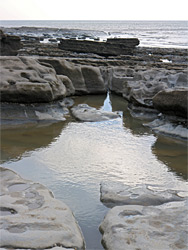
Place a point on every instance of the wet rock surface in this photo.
(32, 218)
(146, 227)
(37, 113)
(83, 112)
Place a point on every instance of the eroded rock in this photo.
(139, 86)
(33, 218)
(115, 194)
(172, 101)
(146, 227)
(85, 79)
(24, 80)
(83, 112)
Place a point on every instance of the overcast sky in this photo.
(93, 9)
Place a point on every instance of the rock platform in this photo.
(144, 217)
(32, 218)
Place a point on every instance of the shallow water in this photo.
(72, 159)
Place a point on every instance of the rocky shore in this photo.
(153, 81)
(142, 217)
(32, 218)
(42, 76)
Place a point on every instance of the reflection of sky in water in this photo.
(83, 155)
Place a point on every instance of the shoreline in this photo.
(44, 73)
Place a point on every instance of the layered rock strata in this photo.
(32, 218)
(112, 47)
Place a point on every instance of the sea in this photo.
(168, 34)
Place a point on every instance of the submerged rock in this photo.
(83, 112)
(32, 218)
(114, 194)
(170, 128)
(146, 227)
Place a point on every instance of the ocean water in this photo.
(171, 34)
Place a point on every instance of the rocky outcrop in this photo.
(32, 218)
(112, 47)
(24, 80)
(85, 113)
(140, 85)
(146, 227)
(172, 101)
(85, 79)
(9, 45)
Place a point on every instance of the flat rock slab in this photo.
(32, 218)
(146, 227)
(113, 194)
(83, 112)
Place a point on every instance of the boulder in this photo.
(24, 80)
(9, 45)
(146, 227)
(85, 79)
(172, 101)
(32, 218)
(85, 113)
(115, 194)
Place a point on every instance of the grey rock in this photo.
(33, 218)
(81, 79)
(114, 194)
(172, 101)
(146, 227)
(170, 128)
(83, 112)
(112, 47)
(24, 80)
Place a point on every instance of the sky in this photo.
(93, 10)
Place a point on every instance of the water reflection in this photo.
(75, 157)
(172, 153)
(26, 138)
